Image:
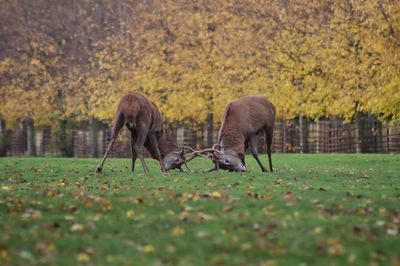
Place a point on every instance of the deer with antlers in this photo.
(143, 120)
(242, 120)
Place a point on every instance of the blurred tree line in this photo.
(64, 62)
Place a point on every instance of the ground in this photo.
(324, 209)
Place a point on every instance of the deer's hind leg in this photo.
(119, 123)
(131, 128)
(133, 152)
(268, 136)
(142, 131)
(253, 149)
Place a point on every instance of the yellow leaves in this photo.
(177, 231)
(63, 182)
(335, 247)
(149, 249)
(317, 230)
(6, 188)
(216, 194)
(130, 214)
(83, 257)
(35, 62)
(305, 64)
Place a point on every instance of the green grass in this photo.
(327, 209)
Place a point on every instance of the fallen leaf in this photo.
(83, 257)
(148, 249)
(216, 194)
(77, 227)
(6, 188)
(392, 231)
(317, 230)
(335, 246)
(177, 231)
(130, 214)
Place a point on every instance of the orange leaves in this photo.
(216, 195)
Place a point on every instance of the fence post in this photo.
(303, 134)
(318, 135)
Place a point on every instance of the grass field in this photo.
(327, 209)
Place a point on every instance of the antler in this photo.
(205, 153)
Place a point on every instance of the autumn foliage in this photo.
(74, 59)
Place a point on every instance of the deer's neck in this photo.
(231, 140)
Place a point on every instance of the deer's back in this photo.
(250, 114)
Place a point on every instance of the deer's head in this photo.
(174, 160)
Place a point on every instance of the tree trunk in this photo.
(303, 128)
(30, 137)
(359, 137)
(4, 138)
(210, 130)
(93, 143)
(64, 140)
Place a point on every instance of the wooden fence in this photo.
(322, 136)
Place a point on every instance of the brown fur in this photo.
(142, 118)
(242, 120)
(134, 104)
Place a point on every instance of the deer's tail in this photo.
(128, 110)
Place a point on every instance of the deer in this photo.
(143, 119)
(242, 121)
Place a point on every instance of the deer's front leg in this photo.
(119, 123)
(154, 146)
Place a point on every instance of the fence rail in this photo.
(322, 136)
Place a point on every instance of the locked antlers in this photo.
(212, 153)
